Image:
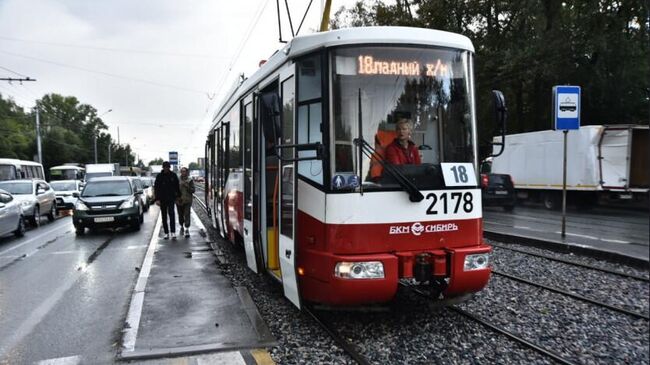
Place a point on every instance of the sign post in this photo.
(566, 106)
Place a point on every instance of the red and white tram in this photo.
(296, 172)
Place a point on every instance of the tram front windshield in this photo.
(374, 88)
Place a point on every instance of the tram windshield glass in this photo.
(378, 90)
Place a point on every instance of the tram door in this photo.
(287, 182)
(222, 149)
(248, 209)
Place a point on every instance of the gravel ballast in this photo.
(411, 330)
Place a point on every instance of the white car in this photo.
(11, 215)
(63, 190)
(36, 197)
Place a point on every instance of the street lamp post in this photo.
(95, 138)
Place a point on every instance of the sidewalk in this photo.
(183, 305)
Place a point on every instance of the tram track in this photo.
(572, 295)
(574, 263)
(510, 335)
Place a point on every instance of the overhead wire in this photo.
(111, 49)
(248, 33)
(160, 84)
(14, 72)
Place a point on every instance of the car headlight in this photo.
(359, 270)
(79, 205)
(478, 261)
(127, 204)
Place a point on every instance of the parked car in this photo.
(108, 202)
(36, 197)
(147, 185)
(139, 186)
(11, 215)
(498, 190)
(63, 191)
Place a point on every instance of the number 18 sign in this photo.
(458, 173)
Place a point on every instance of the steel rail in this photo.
(200, 202)
(513, 336)
(572, 295)
(347, 346)
(570, 262)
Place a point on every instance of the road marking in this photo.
(70, 360)
(33, 238)
(135, 308)
(224, 358)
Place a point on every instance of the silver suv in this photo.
(36, 197)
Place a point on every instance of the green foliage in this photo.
(68, 130)
(526, 47)
(193, 166)
(157, 161)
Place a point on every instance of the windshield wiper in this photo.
(111, 194)
(414, 193)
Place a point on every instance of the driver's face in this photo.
(403, 132)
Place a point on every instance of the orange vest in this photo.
(382, 139)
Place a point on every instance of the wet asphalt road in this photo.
(66, 296)
(615, 229)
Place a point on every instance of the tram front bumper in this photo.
(356, 280)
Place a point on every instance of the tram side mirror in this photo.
(500, 116)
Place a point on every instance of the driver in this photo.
(402, 150)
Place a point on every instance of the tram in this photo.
(296, 170)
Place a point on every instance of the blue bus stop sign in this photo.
(173, 158)
(566, 105)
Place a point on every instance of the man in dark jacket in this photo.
(166, 190)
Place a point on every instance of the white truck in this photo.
(155, 170)
(603, 161)
(102, 169)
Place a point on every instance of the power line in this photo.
(249, 31)
(180, 88)
(14, 72)
(112, 49)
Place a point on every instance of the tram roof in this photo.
(301, 45)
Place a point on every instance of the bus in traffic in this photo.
(13, 169)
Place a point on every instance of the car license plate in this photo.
(501, 192)
(104, 219)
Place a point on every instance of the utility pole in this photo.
(95, 143)
(109, 150)
(38, 135)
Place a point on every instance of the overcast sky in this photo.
(156, 64)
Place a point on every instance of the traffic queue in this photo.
(98, 199)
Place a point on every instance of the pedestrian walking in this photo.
(166, 190)
(184, 202)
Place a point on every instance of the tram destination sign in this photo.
(368, 65)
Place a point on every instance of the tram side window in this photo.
(248, 163)
(309, 125)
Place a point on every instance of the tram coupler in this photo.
(422, 270)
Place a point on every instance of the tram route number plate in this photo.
(458, 173)
(104, 219)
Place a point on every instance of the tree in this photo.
(525, 47)
(193, 166)
(157, 161)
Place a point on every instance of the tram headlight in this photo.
(476, 262)
(359, 270)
